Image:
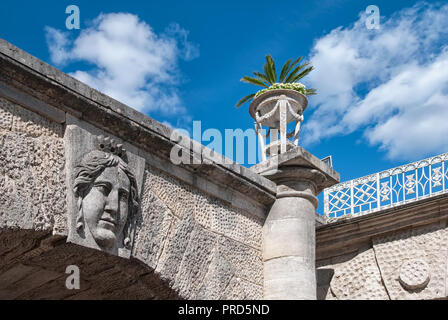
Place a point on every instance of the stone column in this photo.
(289, 235)
(289, 230)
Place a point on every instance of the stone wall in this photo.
(398, 254)
(198, 232)
(203, 246)
(32, 177)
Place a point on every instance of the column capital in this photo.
(298, 165)
(285, 174)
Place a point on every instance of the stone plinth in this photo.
(289, 231)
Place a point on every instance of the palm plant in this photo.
(289, 75)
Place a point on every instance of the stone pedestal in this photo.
(289, 230)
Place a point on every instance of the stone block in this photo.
(246, 261)
(217, 278)
(195, 262)
(152, 228)
(32, 188)
(413, 246)
(174, 248)
(358, 278)
(238, 225)
(240, 289)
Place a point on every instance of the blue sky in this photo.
(382, 94)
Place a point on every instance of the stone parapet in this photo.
(191, 231)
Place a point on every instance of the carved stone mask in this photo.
(106, 206)
(107, 198)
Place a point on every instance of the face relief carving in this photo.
(107, 196)
(105, 206)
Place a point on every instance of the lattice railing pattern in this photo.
(389, 188)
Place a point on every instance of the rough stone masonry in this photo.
(87, 181)
(166, 231)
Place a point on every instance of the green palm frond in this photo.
(295, 63)
(284, 71)
(302, 74)
(254, 81)
(294, 72)
(262, 76)
(270, 69)
(244, 100)
(289, 68)
(291, 73)
(267, 68)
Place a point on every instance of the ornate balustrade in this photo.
(389, 188)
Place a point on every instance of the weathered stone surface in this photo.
(32, 103)
(217, 279)
(238, 225)
(234, 290)
(252, 291)
(298, 157)
(395, 251)
(153, 227)
(246, 261)
(414, 274)
(32, 188)
(187, 215)
(184, 248)
(208, 211)
(240, 289)
(175, 247)
(290, 232)
(358, 279)
(55, 88)
(408, 244)
(287, 278)
(205, 209)
(195, 262)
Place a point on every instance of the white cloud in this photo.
(391, 83)
(131, 62)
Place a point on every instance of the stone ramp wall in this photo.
(198, 231)
(204, 247)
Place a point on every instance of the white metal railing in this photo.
(389, 188)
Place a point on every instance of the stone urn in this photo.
(265, 109)
(275, 109)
